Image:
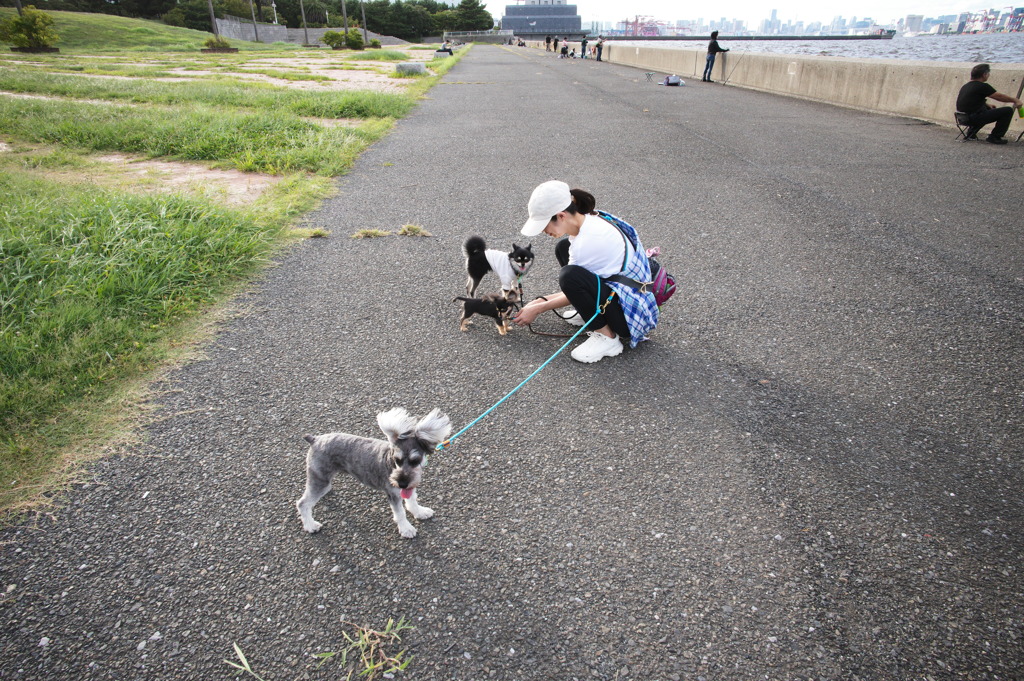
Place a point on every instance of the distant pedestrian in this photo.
(556, 44)
(713, 49)
(583, 48)
(547, 43)
(972, 101)
(600, 46)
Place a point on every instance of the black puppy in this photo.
(495, 305)
(508, 266)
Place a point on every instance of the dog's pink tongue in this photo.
(407, 493)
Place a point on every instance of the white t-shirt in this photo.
(599, 247)
(498, 260)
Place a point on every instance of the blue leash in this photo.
(600, 308)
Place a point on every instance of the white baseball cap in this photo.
(546, 200)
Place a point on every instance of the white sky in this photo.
(753, 11)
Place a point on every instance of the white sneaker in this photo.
(597, 347)
(570, 315)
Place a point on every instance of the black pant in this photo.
(1001, 117)
(580, 286)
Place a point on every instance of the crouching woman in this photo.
(600, 255)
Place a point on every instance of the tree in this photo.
(446, 20)
(472, 16)
(403, 20)
(190, 14)
(32, 29)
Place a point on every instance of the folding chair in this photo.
(963, 124)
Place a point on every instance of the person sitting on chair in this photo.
(972, 102)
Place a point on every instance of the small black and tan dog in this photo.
(498, 306)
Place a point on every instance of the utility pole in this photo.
(305, 32)
(366, 39)
(18, 4)
(255, 28)
(344, 13)
(213, 17)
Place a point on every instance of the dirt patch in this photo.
(335, 122)
(339, 80)
(234, 186)
(21, 95)
(4, 147)
(168, 79)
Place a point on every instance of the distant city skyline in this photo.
(752, 12)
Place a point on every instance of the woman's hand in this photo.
(533, 309)
(530, 312)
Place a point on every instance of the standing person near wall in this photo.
(583, 48)
(972, 100)
(556, 44)
(547, 43)
(713, 49)
(600, 46)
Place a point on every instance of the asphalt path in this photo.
(811, 471)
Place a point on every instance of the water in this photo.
(994, 48)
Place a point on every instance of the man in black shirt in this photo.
(972, 102)
(713, 49)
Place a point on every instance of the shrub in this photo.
(31, 29)
(354, 39)
(375, 43)
(216, 43)
(334, 38)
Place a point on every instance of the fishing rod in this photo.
(733, 70)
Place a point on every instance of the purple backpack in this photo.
(663, 285)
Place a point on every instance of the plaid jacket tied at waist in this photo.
(639, 307)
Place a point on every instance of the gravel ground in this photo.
(812, 470)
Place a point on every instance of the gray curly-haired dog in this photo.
(394, 466)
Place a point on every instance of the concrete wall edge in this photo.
(915, 89)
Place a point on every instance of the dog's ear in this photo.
(434, 427)
(396, 424)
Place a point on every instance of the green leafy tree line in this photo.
(405, 19)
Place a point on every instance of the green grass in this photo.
(106, 33)
(267, 142)
(225, 92)
(100, 281)
(380, 55)
(285, 75)
(370, 234)
(92, 285)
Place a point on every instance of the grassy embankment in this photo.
(102, 280)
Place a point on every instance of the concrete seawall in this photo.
(924, 90)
